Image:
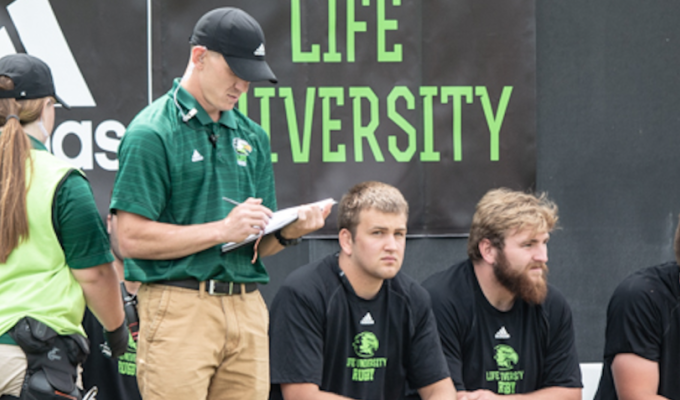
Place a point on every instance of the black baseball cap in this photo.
(31, 76)
(239, 38)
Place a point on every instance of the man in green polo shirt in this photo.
(203, 324)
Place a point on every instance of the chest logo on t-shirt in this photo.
(502, 334)
(243, 150)
(506, 359)
(367, 319)
(365, 344)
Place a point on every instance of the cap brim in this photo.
(62, 102)
(251, 70)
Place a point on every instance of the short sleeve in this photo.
(78, 225)
(426, 364)
(142, 183)
(561, 366)
(296, 336)
(632, 323)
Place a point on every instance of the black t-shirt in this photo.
(321, 332)
(643, 318)
(115, 379)
(527, 348)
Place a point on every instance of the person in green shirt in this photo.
(203, 323)
(54, 253)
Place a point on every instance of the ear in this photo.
(198, 53)
(108, 223)
(345, 240)
(488, 251)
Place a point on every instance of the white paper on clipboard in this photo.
(279, 220)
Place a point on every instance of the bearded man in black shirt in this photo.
(504, 329)
(641, 340)
(350, 325)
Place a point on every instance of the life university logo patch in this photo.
(49, 44)
(365, 344)
(243, 150)
(506, 357)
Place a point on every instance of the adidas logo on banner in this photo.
(196, 157)
(367, 319)
(502, 334)
(49, 44)
(259, 51)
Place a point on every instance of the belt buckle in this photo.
(211, 289)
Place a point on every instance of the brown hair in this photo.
(14, 152)
(369, 195)
(503, 211)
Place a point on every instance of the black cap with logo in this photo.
(239, 38)
(31, 76)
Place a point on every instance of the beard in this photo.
(520, 283)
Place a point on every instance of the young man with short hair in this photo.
(641, 340)
(350, 325)
(504, 329)
(203, 323)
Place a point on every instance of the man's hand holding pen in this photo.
(245, 219)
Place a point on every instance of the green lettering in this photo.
(383, 26)
(397, 93)
(332, 54)
(126, 368)
(266, 93)
(353, 26)
(365, 132)
(299, 149)
(363, 375)
(428, 154)
(506, 387)
(494, 122)
(243, 104)
(456, 92)
(328, 125)
(300, 56)
(492, 376)
(351, 362)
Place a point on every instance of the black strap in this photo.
(212, 286)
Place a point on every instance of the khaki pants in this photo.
(193, 346)
(12, 369)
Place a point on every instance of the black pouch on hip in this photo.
(52, 360)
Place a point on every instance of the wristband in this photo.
(286, 242)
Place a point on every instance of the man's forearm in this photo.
(151, 240)
(307, 391)
(550, 393)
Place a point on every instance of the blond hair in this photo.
(369, 195)
(14, 152)
(503, 211)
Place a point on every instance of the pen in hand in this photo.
(234, 202)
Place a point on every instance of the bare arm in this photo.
(307, 391)
(309, 220)
(635, 377)
(550, 393)
(441, 390)
(140, 237)
(102, 294)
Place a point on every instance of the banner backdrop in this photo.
(435, 97)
